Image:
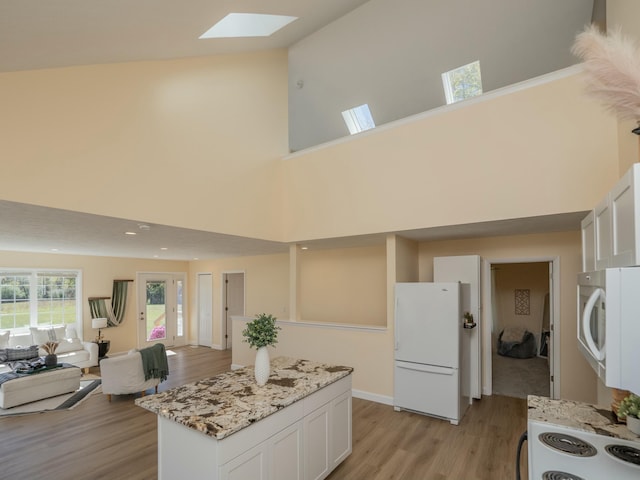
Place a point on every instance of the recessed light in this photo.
(304, 248)
(164, 248)
(155, 256)
(55, 249)
(247, 25)
(144, 226)
(130, 233)
(196, 258)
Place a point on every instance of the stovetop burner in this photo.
(624, 453)
(567, 444)
(557, 475)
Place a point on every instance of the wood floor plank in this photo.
(118, 440)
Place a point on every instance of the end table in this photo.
(103, 348)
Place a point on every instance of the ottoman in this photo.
(38, 386)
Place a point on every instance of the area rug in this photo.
(89, 385)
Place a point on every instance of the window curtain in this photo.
(113, 311)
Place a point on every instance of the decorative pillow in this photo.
(70, 332)
(21, 353)
(61, 333)
(40, 336)
(4, 339)
(3, 355)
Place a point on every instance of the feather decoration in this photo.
(611, 70)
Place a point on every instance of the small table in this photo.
(103, 348)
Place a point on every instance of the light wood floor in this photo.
(117, 440)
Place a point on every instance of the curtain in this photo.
(113, 311)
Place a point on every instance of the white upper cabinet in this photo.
(611, 231)
(625, 208)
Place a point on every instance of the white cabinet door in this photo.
(625, 229)
(316, 444)
(340, 428)
(602, 219)
(588, 243)
(286, 454)
(252, 464)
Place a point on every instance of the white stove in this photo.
(562, 453)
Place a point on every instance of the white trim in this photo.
(488, 316)
(197, 315)
(499, 92)
(372, 397)
(216, 346)
(236, 366)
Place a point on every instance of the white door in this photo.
(205, 309)
(161, 311)
(233, 298)
(466, 269)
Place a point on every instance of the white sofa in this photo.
(71, 349)
(123, 375)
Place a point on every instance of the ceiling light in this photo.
(304, 248)
(164, 248)
(247, 25)
(130, 233)
(144, 226)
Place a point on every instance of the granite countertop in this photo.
(224, 404)
(579, 416)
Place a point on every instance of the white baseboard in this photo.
(372, 397)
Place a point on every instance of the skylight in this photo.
(358, 119)
(247, 25)
(462, 82)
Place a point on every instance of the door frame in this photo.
(223, 303)
(140, 282)
(554, 316)
(196, 340)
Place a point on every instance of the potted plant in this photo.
(260, 333)
(51, 359)
(630, 409)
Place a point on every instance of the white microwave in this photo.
(609, 324)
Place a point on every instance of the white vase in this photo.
(262, 368)
(633, 424)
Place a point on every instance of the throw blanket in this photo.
(154, 362)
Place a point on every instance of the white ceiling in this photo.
(58, 33)
(38, 34)
(31, 228)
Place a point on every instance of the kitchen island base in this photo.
(306, 440)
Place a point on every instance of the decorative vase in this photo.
(262, 368)
(633, 424)
(51, 360)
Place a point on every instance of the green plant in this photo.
(629, 407)
(262, 331)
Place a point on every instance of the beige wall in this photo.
(577, 379)
(346, 285)
(98, 274)
(535, 151)
(192, 143)
(266, 288)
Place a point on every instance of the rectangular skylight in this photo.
(358, 119)
(247, 25)
(462, 82)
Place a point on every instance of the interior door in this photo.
(233, 300)
(160, 309)
(205, 309)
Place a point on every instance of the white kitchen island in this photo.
(297, 426)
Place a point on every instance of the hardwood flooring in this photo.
(117, 440)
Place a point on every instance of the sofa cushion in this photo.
(69, 345)
(27, 353)
(40, 336)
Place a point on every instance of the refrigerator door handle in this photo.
(418, 367)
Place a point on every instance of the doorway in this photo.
(232, 303)
(161, 310)
(520, 350)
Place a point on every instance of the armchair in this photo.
(124, 374)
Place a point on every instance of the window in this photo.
(358, 119)
(32, 298)
(462, 82)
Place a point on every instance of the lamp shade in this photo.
(99, 323)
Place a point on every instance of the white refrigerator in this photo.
(429, 367)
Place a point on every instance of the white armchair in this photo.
(123, 374)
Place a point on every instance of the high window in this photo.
(462, 82)
(35, 298)
(358, 119)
